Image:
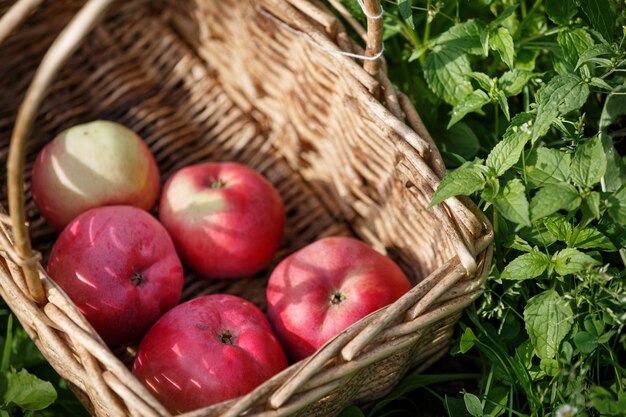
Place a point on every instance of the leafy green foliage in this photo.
(465, 180)
(445, 71)
(602, 16)
(548, 319)
(526, 266)
(589, 163)
(527, 100)
(563, 94)
(28, 385)
(27, 391)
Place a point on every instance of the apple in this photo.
(120, 267)
(91, 165)
(323, 288)
(226, 219)
(207, 350)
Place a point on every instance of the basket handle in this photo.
(64, 45)
(374, 41)
(15, 16)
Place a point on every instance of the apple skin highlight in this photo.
(320, 290)
(226, 219)
(119, 266)
(207, 350)
(92, 165)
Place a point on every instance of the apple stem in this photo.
(217, 184)
(227, 338)
(137, 279)
(337, 297)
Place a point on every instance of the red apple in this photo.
(120, 267)
(208, 350)
(225, 218)
(322, 289)
(92, 165)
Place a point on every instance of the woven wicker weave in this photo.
(257, 82)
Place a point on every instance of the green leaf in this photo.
(445, 71)
(600, 83)
(601, 15)
(504, 104)
(614, 231)
(591, 205)
(502, 42)
(561, 65)
(615, 174)
(484, 42)
(417, 53)
(561, 95)
(554, 197)
(606, 337)
(590, 238)
(570, 260)
(529, 265)
(471, 103)
(465, 180)
(467, 340)
(485, 82)
(593, 325)
(461, 140)
(589, 163)
(617, 208)
(559, 227)
(406, 12)
(508, 151)
(548, 319)
(585, 342)
(463, 36)
(512, 82)
(561, 11)
(512, 203)
(502, 17)
(574, 42)
(29, 392)
(516, 242)
(538, 234)
(473, 404)
(526, 59)
(614, 108)
(593, 52)
(549, 366)
(547, 166)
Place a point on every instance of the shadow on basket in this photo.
(261, 83)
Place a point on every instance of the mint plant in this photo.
(527, 102)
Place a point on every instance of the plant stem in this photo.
(526, 96)
(426, 33)
(497, 121)
(530, 39)
(487, 386)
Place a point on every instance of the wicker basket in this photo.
(259, 82)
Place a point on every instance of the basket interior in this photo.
(207, 81)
